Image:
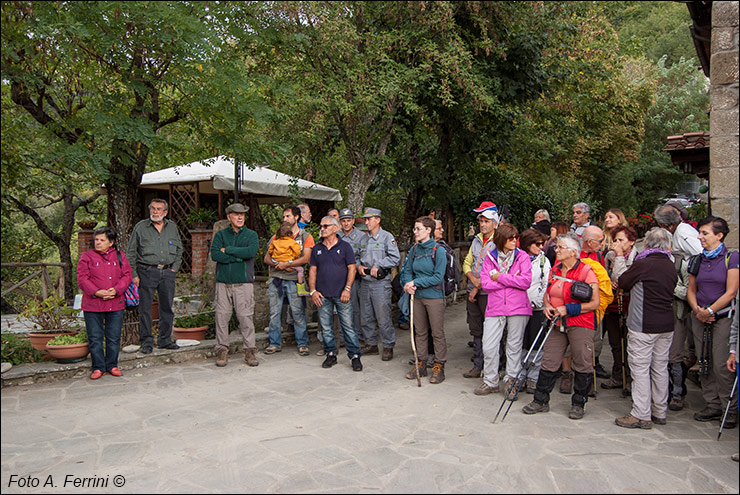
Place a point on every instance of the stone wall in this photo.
(723, 124)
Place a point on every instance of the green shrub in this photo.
(78, 338)
(17, 349)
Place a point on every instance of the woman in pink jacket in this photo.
(103, 275)
(506, 275)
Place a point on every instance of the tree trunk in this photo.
(359, 183)
(123, 199)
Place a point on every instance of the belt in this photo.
(158, 267)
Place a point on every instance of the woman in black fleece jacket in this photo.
(650, 280)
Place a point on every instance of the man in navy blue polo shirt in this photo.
(330, 277)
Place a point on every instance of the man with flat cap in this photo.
(357, 239)
(376, 260)
(233, 249)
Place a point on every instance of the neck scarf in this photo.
(650, 251)
(506, 260)
(714, 252)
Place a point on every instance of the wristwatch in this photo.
(311, 293)
(711, 311)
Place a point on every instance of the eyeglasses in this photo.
(419, 229)
(557, 248)
(597, 240)
(326, 225)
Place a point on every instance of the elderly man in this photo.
(376, 260)
(685, 242)
(477, 297)
(357, 240)
(282, 283)
(330, 278)
(593, 240)
(581, 212)
(305, 216)
(233, 249)
(650, 280)
(155, 253)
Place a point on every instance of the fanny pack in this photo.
(579, 290)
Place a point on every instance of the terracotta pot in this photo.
(197, 333)
(39, 339)
(68, 352)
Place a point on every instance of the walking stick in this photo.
(727, 409)
(413, 341)
(706, 349)
(527, 365)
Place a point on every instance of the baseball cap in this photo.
(486, 205)
(346, 213)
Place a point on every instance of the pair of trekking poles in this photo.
(519, 384)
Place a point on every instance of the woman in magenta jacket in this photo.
(103, 275)
(506, 275)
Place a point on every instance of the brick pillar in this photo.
(85, 241)
(201, 240)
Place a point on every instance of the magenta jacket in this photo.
(97, 271)
(508, 295)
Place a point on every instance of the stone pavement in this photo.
(291, 426)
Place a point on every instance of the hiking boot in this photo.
(535, 407)
(730, 421)
(473, 373)
(675, 404)
(531, 386)
(438, 373)
(657, 420)
(510, 389)
(708, 414)
(576, 412)
(485, 389)
(611, 383)
(222, 357)
(630, 421)
(601, 372)
(369, 350)
(356, 363)
(271, 349)
(303, 350)
(411, 375)
(330, 360)
(735, 457)
(566, 382)
(321, 352)
(250, 358)
(404, 325)
(387, 354)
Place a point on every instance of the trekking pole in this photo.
(527, 365)
(620, 303)
(413, 340)
(706, 349)
(727, 409)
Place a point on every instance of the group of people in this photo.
(538, 303)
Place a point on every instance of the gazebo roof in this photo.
(217, 174)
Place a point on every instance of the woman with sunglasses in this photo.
(532, 242)
(506, 275)
(422, 276)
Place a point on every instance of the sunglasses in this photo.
(540, 244)
(326, 225)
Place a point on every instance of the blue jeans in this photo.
(403, 306)
(296, 307)
(326, 318)
(104, 325)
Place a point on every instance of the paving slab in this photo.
(290, 426)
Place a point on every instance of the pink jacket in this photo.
(508, 295)
(97, 271)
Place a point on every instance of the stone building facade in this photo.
(723, 123)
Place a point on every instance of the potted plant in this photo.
(87, 224)
(201, 218)
(69, 348)
(193, 326)
(51, 317)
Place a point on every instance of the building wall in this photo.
(723, 154)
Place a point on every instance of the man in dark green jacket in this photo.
(233, 249)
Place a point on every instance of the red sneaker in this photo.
(96, 374)
(115, 372)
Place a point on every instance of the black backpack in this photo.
(450, 280)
